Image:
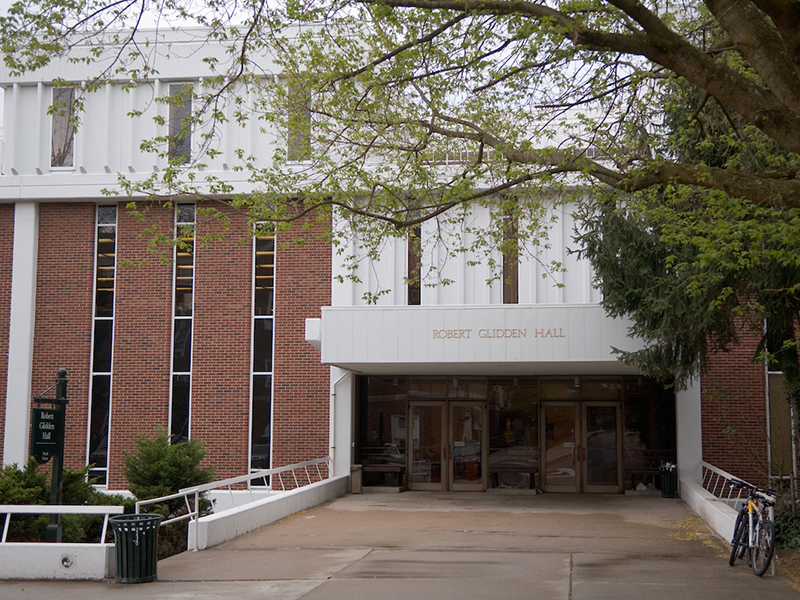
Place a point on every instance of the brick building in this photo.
(257, 346)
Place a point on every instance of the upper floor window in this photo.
(510, 262)
(180, 123)
(298, 143)
(414, 267)
(64, 123)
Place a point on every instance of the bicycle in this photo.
(754, 531)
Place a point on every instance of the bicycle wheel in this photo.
(764, 547)
(739, 541)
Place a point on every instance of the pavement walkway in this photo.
(465, 546)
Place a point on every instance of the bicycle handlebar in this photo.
(738, 483)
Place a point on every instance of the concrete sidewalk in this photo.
(456, 546)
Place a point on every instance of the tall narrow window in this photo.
(63, 123)
(263, 328)
(510, 263)
(102, 344)
(298, 146)
(414, 267)
(180, 406)
(180, 123)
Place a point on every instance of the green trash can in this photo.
(136, 544)
(669, 480)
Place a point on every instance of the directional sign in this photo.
(47, 428)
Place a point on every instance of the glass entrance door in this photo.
(467, 444)
(561, 448)
(582, 447)
(427, 454)
(602, 469)
(448, 446)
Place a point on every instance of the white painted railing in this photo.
(718, 482)
(310, 472)
(49, 509)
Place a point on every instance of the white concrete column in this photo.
(20, 338)
(341, 435)
(690, 434)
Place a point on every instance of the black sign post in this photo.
(47, 441)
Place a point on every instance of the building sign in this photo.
(46, 431)
(494, 334)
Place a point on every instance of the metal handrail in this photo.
(193, 514)
(50, 509)
(718, 482)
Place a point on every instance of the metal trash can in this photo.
(136, 544)
(355, 479)
(669, 480)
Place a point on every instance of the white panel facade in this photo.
(477, 340)
(473, 284)
(108, 138)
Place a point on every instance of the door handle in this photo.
(581, 454)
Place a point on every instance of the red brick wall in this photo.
(142, 334)
(62, 334)
(220, 406)
(734, 414)
(301, 404)
(6, 251)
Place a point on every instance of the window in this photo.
(510, 263)
(298, 143)
(63, 123)
(180, 123)
(414, 267)
(263, 335)
(102, 343)
(180, 404)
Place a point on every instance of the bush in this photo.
(26, 486)
(160, 468)
(787, 525)
(29, 486)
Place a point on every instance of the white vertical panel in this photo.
(420, 332)
(127, 137)
(369, 329)
(467, 351)
(436, 266)
(391, 334)
(342, 427)
(342, 293)
(405, 338)
(108, 141)
(10, 124)
(689, 432)
(399, 295)
(42, 128)
(577, 333)
(350, 330)
(22, 317)
(382, 274)
(575, 284)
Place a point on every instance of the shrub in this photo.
(787, 525)
(160, 468)
(29, 486)
(26, 486)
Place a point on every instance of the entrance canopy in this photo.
(461, 340)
